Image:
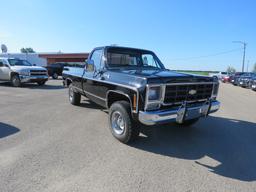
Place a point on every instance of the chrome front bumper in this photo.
(26, 79)
(178, 114)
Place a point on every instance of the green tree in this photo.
(27, 50)
(231, 69)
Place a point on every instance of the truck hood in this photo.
(162, 76)
(26, 68)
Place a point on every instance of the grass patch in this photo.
(206, 73)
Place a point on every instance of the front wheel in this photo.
(16, 81)
(121, 124)
(74, 97)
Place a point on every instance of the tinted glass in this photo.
(148, 60)
(19, 62)
(120, 57)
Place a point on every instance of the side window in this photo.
(1, 63)
(148, 60)
(96, 57)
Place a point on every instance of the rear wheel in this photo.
(121, 124)
(16, 80)
(74, 97)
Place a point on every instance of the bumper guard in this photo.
(179, 114)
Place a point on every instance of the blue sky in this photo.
(179, 31)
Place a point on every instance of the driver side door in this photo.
(92, 85)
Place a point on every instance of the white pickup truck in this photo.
(19, 71)
(219, 75)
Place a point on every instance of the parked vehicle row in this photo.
(136, 88)
(245, 80)
(19, 71)
(242, 79)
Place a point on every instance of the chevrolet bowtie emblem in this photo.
(192, 92)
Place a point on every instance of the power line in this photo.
(205, 56)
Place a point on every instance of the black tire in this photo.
(130, 129)
(74, 97)
(55, 76)
(188, 123)
(16, 80)
(41, 83)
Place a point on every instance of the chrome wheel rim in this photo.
(117, 123)
(71, 93)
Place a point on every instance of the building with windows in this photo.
(44, 59)
(64, 57)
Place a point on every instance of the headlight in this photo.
(154, 93)
(154, 97)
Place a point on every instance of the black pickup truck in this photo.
(136, 88)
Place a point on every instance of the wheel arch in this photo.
(12, 73)
(114, 95)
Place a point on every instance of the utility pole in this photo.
(248, 65)
(244, 47)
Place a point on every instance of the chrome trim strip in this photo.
(86, 92)
(192, 83)
(185, 83)
(121, 85)
(112, 83)
(103, 99)
(176, 103)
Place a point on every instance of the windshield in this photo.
(123, 57)
(19, 62)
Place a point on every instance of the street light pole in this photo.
(244, 47)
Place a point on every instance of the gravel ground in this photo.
(46, 144)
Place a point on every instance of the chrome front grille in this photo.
(187, 92)
(38, 72)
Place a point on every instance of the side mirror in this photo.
(34, 64)
(89, 65)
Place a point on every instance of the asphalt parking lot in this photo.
(46, 144)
